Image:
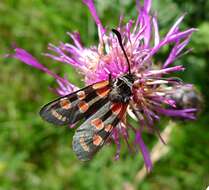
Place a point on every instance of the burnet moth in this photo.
(102, 106)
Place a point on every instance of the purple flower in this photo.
(153, 88)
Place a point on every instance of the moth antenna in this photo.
(117, 33)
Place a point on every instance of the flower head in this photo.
(141, 40)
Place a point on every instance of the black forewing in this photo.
(88, 139)
(77, 105)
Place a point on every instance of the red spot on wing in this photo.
(83, 106)
(100, 84)
(83, 144)
(119, 110)
(81, 95)
(97, 123)
(65, 103)
(58, 115)
(116, 108)
(108, 128)
(97, 140)
(123, 110)
(103, 92)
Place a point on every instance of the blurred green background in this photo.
(36, 155)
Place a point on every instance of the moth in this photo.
(101, 105)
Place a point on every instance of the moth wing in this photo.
(77, 105)
(93, 133)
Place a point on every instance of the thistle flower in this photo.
(152, 91)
